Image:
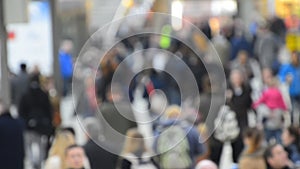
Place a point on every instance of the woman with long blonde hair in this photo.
(56, 157)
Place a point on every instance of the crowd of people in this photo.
(260, 116)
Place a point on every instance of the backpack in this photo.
(226, 125)
(145, 162)
(174, 149)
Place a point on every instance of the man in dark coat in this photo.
(11, 142)
(94, 147)
(36, 111)
(116, 117)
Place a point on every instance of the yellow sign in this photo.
(293, 42)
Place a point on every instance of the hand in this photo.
(289, 78)
(229, 94)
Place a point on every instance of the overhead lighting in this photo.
(177, 11)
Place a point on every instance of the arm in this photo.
(283, 73)
(125, 164)
(261, 100)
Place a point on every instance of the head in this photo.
(23, 67)
(276, 156)
(93, 128)
(173, 112)
(134, 142)
(268, 77)
(252, 139)
(67, 46)
(236, 78)
(62, 140)
(290, 136)
(75, 157)
(243, 57)
(206, 164)
(295, 58)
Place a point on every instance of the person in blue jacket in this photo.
(290, 74)
(66, 65)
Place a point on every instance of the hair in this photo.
(255, 136)
(237, 71)
(69, 129)
(268, 152)
(242, 51)
(294, 52)
(173, 110)
(134, 141)
(62, 140)
(206, 164)
(294, 132)
(71, 147)
(23, 66)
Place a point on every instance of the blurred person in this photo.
(56, 156)
(210, 90)
(239, 41)
(252, 156)
(20, 85)
(36, 111)
(290, 74)
(276, 157)
(107, 67)
(239, 101)
(244, 64)
(181, 154)
(66, 65)
(135, 153)
(12, 153)
(223, 48)
(291, 141)
(49, 87)
(266, 47)
(206, 164)
(75, 157)
(271, 107)
(278, 27)
(116, 115)
(96, 154)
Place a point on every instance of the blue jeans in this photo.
(276, 134)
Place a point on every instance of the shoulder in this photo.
(247, 161)
(53, 162)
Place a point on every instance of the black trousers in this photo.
(216, 148)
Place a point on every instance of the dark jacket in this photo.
(115, 122)
(35, 108)
(240, 104)
(99, 157)
(293, 153)
(11, 142)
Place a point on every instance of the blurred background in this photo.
(42, 39)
